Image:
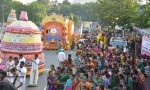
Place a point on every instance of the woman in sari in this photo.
(75, 84)
(143, 79)
(50, 81)
(68, 85)
(63, 77)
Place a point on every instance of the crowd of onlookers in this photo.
(100, 68)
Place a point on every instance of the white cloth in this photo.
(23, 73)
(61, 56)
(34, 72)
(22, 59)
(10, 64)
(18, 81)
(101, 44)
(124, 50)
(10, 77)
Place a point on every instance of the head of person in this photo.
(13, 71)
(69, 71)
(63, 70)
(97, 75)
(16, 60)
(10, 58)
(52, 67)
(58, 69)
(90, 79)
(72, 76)
(3, 74)
(50, 73)
(69, 55)
(77, 76)
(22, 64)
(36, 56)
(107, 76)
(135, 72)
(20, 55)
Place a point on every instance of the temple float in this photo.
(57, 28)
(12, 17)
(23, 37)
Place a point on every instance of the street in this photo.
(50, 58)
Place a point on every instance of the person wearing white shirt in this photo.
(10, 63)
(101, 44)
(17, 79)
(34, 72)
(61, 57)
(23, 72)
(21, 58)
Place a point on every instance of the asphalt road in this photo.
(50, 58)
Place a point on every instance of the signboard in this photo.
(145, 46)
(119, 43)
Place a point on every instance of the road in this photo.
(50, 58)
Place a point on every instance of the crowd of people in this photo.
(99, 67)
(96, 67)
(13, 76)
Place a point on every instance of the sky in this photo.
(72, 1)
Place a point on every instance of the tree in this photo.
(5, 7)
(142, 19)
(66, 2)
(18, 6)
(46, 3)
(36, 12)
(75, 18)
(115, 11)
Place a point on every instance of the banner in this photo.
(145, 46)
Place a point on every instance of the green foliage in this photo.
(18, 6)
(143, 20)
(127, 12)
(76, 10)
(5, 7)
(75, 18)
(46, 4)
(36, 12)
(38, 9)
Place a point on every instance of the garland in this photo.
(20, 52)
(21, 44)
(27, 57)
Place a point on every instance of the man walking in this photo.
(61, 57)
